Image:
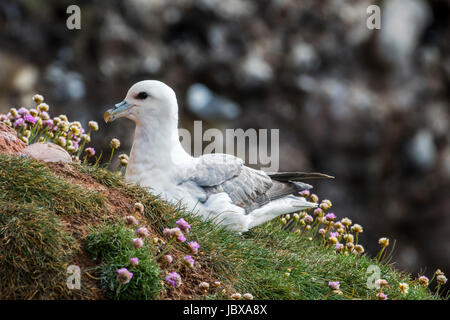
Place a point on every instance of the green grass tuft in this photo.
(25, 180)
(112, 243)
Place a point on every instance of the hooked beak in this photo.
(118, 111)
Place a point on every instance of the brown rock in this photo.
(44, 151)
(48, 152)
(9, 143)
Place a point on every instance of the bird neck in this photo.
(156, 145)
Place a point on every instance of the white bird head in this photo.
(145, 100)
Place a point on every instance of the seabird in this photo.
(214, 186)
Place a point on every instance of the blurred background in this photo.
(370, 107)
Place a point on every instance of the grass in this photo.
(48, 222)
(111, 243)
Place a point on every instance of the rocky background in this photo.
(370, 107)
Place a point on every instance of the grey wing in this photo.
(214, 169)
(246, 187)
(247, 190)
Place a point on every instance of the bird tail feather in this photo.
(297, 176)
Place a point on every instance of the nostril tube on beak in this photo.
(107, 116)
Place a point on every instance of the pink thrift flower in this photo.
(30, 119)
(132, 220)
(138, 243)
(304, 193)
(134, 262)
(174, 279)
(124, 276)
(168, 258)
(193, 246)
(143, 232)
(381, 296)
(308, 219)
(333, 285)
(181, 238)
(189, 261)
(183, 225)
(334, 234)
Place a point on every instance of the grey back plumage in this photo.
(247, 188)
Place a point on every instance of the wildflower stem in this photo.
(112, 153)
(169, 245)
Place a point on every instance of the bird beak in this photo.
(118, 111)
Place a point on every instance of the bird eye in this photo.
(142, 95)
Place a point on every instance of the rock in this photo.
(9, 142)
(48, 152)
(44, 151)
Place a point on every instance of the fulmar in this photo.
(214, 186)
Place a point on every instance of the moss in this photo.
(112, 243)
(35, 252)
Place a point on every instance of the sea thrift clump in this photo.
(35, 125)
(174, 279)
(124, 276)
(193, 246)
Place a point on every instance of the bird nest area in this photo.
(56, 215)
